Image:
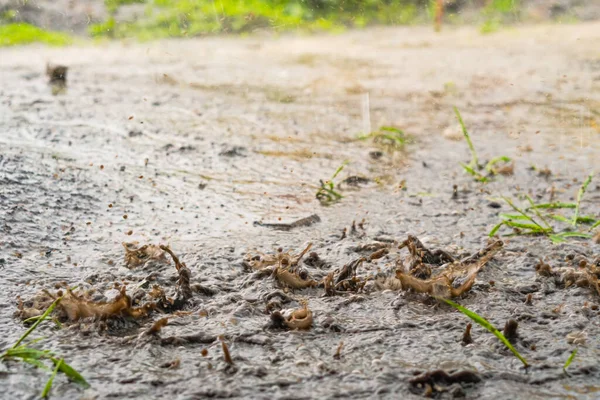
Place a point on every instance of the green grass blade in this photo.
(580, 197)
(556, 204)
(48, 386)
(474, 173)
(36, 363)
(560, 218)
(531, 227)
(495, 229)
(26, 352)
(474, 160)
(39, 321)
(70, 372)
(535, 210)
(584, 219)
(340, 168)
(573, 234)
(570, 359)
(513, 216)
(597, 224)
(392, 129)
(487, 325)
(556, 239)
(510, 203)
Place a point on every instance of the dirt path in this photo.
(193, 141)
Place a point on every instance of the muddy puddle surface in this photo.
(209, 146)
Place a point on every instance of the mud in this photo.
(187, 143)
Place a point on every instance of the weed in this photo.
(523, 222)
(487, 325)
(326, 193)
(473, 167)
(36, 357)
(20, 33)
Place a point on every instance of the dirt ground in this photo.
(189, 143)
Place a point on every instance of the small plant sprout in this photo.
(570, 360)
(487, 325)
(473, 168)
(327, 194)
(580, 194)
(388, 138)
(37, 357)
(534, 220)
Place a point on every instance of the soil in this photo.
(189, 143)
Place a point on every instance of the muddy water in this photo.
(193, 141)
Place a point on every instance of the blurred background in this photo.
(56, 21)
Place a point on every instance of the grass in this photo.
(487, 325)
(532, 220)
(474, 168)
(389, 138)
(327, 194)
(14, 34)
(37, 357)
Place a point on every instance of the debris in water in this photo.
(304, 222)
(585, 275)
(226, 354)
(57, 77)
(292, 279)
(184, 291)
(338, 352)
(137, 256)
(300, 319)
(443, 284)
(440, 380)
(158, 325)
(260, 260)
(510, 330)
(577, 338)
(466, 339)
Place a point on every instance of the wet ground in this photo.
(188, 143)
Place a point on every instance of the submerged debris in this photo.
(300, 318)
(138, 256)
(453, 280)
(440, 381)
(283, 259)
(585, 275)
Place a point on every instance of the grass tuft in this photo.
(327, 194)
(473, 167)
(523, 222)
(388, 138)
